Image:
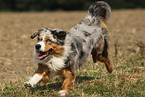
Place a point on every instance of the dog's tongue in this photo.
(42, 56)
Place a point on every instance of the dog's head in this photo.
(49, 43)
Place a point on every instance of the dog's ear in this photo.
(60, 34)
(35, 34)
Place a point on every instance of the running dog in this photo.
(60, 53)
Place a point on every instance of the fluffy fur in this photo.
(60, 53)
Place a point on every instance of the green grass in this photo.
(128, 80)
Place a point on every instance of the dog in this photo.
(58, 52)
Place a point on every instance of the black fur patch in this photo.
(86, 33)
(82, 53)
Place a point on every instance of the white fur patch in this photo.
(67, 47)
(62, 92)
(35, 79)
(56, 63)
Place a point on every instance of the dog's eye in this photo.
(48, 41)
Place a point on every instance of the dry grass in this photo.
(16, 59)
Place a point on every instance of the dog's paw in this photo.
(62, 92)
(113, 72)
(27, 85)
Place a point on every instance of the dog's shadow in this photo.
(56, 86)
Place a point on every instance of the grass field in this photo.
(127, 32)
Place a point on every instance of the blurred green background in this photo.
(45, 5)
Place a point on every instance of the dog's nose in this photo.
(38, 46)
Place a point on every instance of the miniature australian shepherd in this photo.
(58, 52)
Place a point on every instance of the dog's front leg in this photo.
(38, 76)
(33, 81)
(68, 80)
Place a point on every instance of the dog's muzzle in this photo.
(43, 55)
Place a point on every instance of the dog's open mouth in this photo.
(44, 55)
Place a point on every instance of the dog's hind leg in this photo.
(105, 60)
(41, 74)
(102, 57)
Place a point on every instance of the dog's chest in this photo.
(56, 63)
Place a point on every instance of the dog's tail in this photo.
(100, 9)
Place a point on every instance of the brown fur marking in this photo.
(58, 50)
(103, 24)
(40, 37)
(68, 77)
(43, 71)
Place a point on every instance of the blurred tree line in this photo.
(42, 5)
